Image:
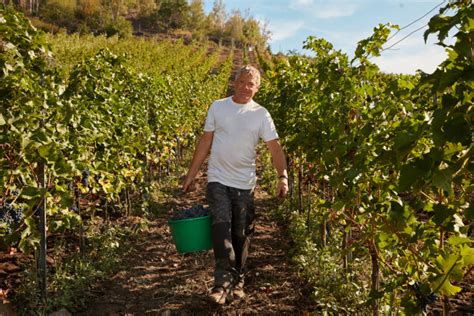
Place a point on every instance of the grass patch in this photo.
(73, 272)
(333, 289)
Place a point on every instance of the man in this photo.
(232, 130)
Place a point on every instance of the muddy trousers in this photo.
(232, 211)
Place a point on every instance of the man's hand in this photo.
(282, 188)
(189, 185)
(279, 162)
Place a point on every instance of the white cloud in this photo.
(301, 3)
(411, 56)
(344, 40)
(334, 11)
(406, 57)
(282, 30)
(324, 9)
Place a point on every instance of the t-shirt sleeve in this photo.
(210, 124)
(268, 130)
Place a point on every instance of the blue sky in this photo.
(344, 23)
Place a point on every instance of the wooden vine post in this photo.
(300, 188)
(323, 223)
(81, 226)
(345, 256)
(375, 276)
(41, 251)
(291, 179)
(308, 215)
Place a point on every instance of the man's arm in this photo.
(202, 150)
(279, 162)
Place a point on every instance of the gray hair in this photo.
(251, 70)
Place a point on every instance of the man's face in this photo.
(245, 87)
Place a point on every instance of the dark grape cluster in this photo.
(38, 211)
(85, 177)
(126, 165)
(192, 212)
(10, 216)
(422, 299)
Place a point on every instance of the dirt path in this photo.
(156, 280)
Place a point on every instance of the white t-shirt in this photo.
(237, 129)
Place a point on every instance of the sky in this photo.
(345, 22)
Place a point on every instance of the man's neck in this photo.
(240, 101)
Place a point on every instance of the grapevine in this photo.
(388, 156)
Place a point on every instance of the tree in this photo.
(88, 7)
(217, 18)
(255, 33)
(197, 18)
(30, 7)
(118, 7)
(234, 26)
(146, 7)
(59, 12)
(173, 14)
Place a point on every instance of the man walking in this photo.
(233, 127)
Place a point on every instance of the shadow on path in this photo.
(156, 280)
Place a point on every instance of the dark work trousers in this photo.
(232, 211)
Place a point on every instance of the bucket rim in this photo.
(172, 221)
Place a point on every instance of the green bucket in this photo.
(191, 234)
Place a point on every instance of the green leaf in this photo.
(45, 151)
(443, 179)
(61, 167)
(40, 135)
(448, 101)
(29, 237)
(398, 215)
(449, 266)
(469, 213)
(338, 205)
(467, 254)
(404, 140)
(405, 84)
(442, 213)
(32, 192)
(66, 199)
(439, 118)
(352, 173)
(457, 129)
(2, 120)
(444, 286)
(414, 173)
(448, 79)
(458, 240)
